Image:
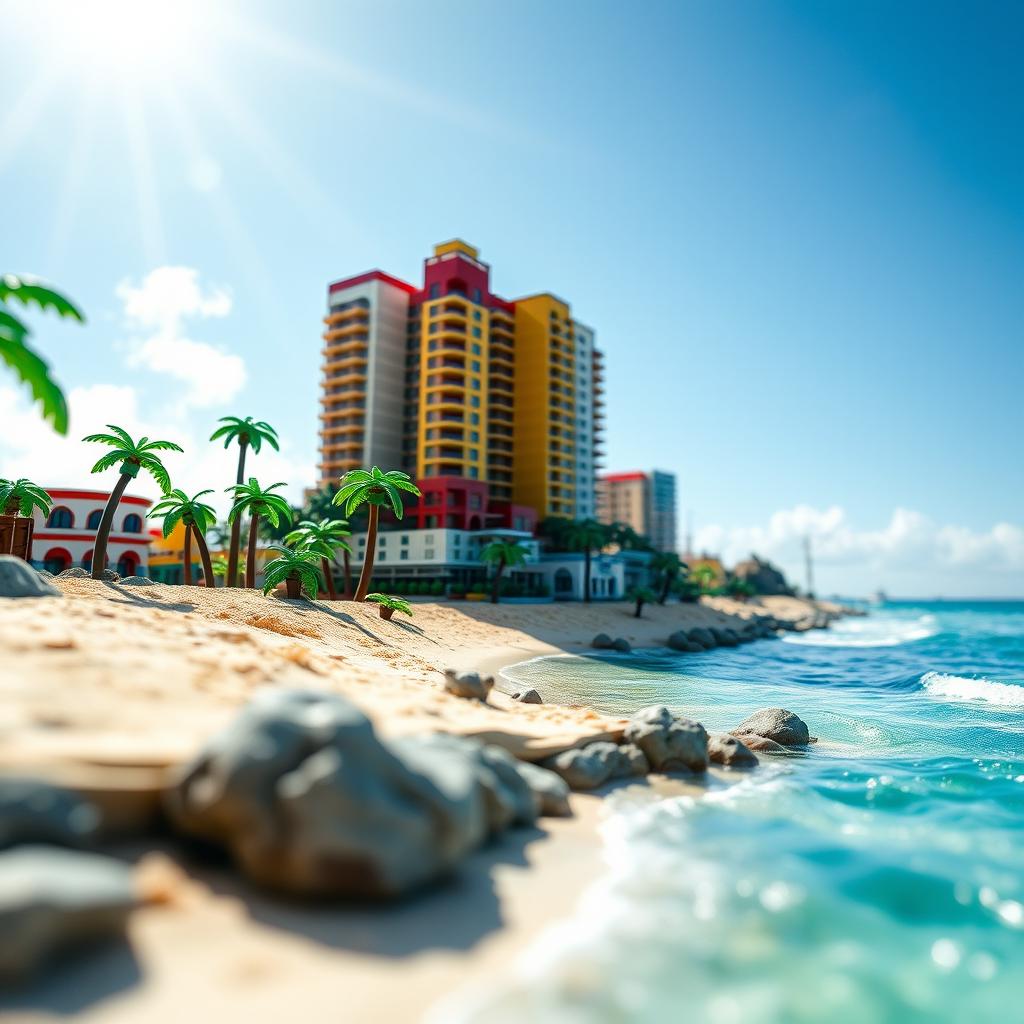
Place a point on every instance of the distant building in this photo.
(644, 501)
(67, 535)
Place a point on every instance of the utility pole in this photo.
(689, 532)
(808, 565)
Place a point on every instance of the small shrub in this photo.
(436, 588)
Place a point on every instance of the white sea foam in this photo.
(963, 689)
(871, 631)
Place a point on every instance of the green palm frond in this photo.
(374, 487)
(131, 453)
(396, 604)
(108, 462)
(246, 431)
(25, 494)
(300, 563)
(260, 501)
(30, 291)
(32, 370)
(503, 551)
(176, 506)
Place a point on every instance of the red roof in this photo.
(370, 275)
(621, 478)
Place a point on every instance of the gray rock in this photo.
(702, 636)
(622, 645)
(34, 811)
(309, 801)
(530, 696)
(52, 900)
(602, 642)
(137, 581)
(75, 572)
(550, 790)
(470, 685)
(670, 742)
(678, 641)
(19, 579)
(44, 575)
(724, 636)
(443, 758)
(776, 724)
(761, 744)
(595, 764)
(730, 751)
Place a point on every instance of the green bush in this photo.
(436, 588)
(456, 590)
(478, 588)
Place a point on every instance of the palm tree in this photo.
(28, 367)
(177, 507)
(642, 596)
(373, 487)
(389, 605)
(587, 535)
(20, 497)
(740, 589)
(704, 576)
(249, 433)
(257, 502)
(325, 538)
(133, 457)
(321, 506)
(295, 569)
(502, 554)
(627, 538)
(669, 565)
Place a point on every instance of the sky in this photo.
(798, 229)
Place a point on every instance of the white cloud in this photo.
(159, 307)
(909, 543)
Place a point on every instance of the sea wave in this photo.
(867, 632)
(965, 689)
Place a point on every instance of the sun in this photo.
(123, 41)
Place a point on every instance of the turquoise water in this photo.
(879, 878)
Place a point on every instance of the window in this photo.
(93, 522)
(435, 291)
(476, 314)
(474, 365)
(476, 349)
(132, 523)
(473, 472)
(474, 400)
(382, 541)
(61, 518)
(405, 540)
(474, 501)
(382, 555)
(476, 332)
(404, 555)
(428, 553)
(428, 538)
(474, 417)
(474, 454)
(474, 383)
(476, 295)
(474, 436)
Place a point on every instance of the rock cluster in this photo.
(19, 579)
(603, 642)
(34, 811)
(596, 763)
(310, 801)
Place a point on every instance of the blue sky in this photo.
(797, 228)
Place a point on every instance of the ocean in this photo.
(878, 878)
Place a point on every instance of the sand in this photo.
(111, 686)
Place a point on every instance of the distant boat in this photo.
(881, 597)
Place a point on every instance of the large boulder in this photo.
(452, 761)
(724, 636)
(601, 642)
(761, 744)
(470, 685)
(670, 742)
(309, 801)
(622, 645)
(678, 641)
(703, 637)
(597, 763)
(550, 790)
(54, 900)
(19, 579)
(729, 751)
(34, 811)
(775, 724)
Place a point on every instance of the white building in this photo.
(587, 362)
(566, 574)
(66, 537)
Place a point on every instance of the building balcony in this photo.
(347, 317)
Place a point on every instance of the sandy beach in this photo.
(112, 686)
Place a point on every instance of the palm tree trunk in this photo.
(231, 580)
(639, 609)
(586, 576)
(371, 547)
(99, 549)
(187, 555)
(665, 587)
(497, 581)
(250, 561)
(204, 554)
(348, 575)
(328, 579)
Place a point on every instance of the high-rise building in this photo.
(644, 501)
(453, 382)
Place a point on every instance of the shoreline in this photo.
(222, 942)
